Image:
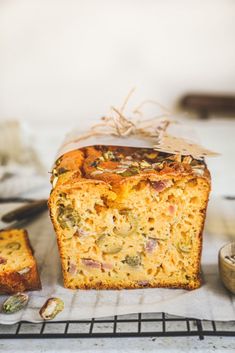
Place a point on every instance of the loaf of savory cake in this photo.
(129, 217)
(18, 268)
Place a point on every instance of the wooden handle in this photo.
(25, 212)
(205, 104)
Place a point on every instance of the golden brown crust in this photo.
(12, 280)
(196, 284)
(101, 165)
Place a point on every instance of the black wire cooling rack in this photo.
(134, 325)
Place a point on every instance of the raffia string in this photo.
(117, 125)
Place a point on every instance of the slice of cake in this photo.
(18, 268)
(129, 217)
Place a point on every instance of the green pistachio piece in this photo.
(151, 155)
(133, 261)
(13, 245)
(124, 231)
(15, 303)
(51, 308)
(67, 216)
(109, 244)
(108, 156)
(184, 247)
(128, 228)
(130, 172)
(144, 164)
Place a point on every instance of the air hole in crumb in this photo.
(192, 182)
(94, 249)
(139, 186)
(98, 208)
(150, 271)
(194, 200)
(89, 221)
(105, 201)
(171, 197)
(151, 220)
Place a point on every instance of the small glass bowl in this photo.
(227, 267)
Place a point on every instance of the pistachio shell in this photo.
(109, 244)
(15, 303)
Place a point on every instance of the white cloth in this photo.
(21, 169)
(212, 301)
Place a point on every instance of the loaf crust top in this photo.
(114, 165)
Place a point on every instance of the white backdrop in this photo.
(67, 60)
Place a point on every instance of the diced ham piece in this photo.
(107, 266)
(143, 283)
(159, 185)
(72, 268)
(150, 245)
(3, 261)
(171, 209)
(82, 233)
(91, 263)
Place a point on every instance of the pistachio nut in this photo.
(133, 261)
(13, 245)
(67, 216)
(15, 303)
(51, 308)
(109, 244)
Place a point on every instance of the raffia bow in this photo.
(120, 126)
(117, 125)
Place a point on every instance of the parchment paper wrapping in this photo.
(162, 135)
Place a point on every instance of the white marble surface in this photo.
(119, 345)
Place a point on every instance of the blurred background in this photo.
(71, 59)
(64, 62)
